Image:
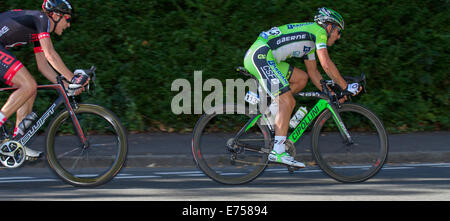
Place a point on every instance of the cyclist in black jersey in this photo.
(19, 27)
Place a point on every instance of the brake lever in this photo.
(92, 76)
(363, 83)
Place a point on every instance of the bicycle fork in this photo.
(340, 123)
(77, 125)
(63, 98)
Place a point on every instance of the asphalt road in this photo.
(168, 150)
(160, 168)
(399, 182)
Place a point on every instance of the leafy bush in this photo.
(141, 47)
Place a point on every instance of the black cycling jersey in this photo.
(19, 27)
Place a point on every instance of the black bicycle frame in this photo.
(62, 99)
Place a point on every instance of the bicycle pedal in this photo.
(31, 159)
(292, 169)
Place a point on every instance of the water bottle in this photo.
(298, 116)
(27, 121)
(273, 108)
(272, 113)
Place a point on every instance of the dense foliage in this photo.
(141, 47)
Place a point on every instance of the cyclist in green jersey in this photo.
(265, 60)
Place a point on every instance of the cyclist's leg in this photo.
(13, 73)
(298, 80)
(286, 100)
(274, 77)
(26, 88)
(260, 62)
(22, 113)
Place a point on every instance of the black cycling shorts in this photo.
(9, 65)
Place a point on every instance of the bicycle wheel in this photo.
(355, 162)
(224, 157)
(96, 163)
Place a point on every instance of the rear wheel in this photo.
(224, 157)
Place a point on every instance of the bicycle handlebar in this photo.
(92, 76)
(339, 92)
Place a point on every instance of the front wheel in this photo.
(95, 162)
(355, 161)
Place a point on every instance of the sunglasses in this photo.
(339, 29)
(68, 19)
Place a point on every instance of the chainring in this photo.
(12, 154)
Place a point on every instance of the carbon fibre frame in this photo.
(62, 99)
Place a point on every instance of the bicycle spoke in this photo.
(67, 153)
(79, 157)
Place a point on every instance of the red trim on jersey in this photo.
(9, 75)
(6, 58)
(34, 37)
(38, 50)
(43, 35)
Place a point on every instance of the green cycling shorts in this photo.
(273, 77)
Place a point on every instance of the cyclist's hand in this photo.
(78, 82)
(78, 92)
(354, 88)
(343, 99)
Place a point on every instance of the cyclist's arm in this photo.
(313, 72)
(330, 68)
(45, 68)
(54, 59)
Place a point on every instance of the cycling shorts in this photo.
(273, 77)
(9, 66)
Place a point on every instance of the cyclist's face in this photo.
(334, 36)
(63, 24)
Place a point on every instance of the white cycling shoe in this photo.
(32, 154)
(284, 158)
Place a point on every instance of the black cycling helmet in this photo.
(58, 6)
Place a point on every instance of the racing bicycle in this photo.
(86, 144)
(231, 142)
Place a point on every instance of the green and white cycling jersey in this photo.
(295, 40)
(265, 58)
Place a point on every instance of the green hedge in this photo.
(141, 47)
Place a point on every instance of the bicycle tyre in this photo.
(112, 138)
(370, 147)
(210, 148)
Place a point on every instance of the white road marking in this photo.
(198, 173)
(396, 168)
(177, 173)
(26, 180)
(136, 177)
